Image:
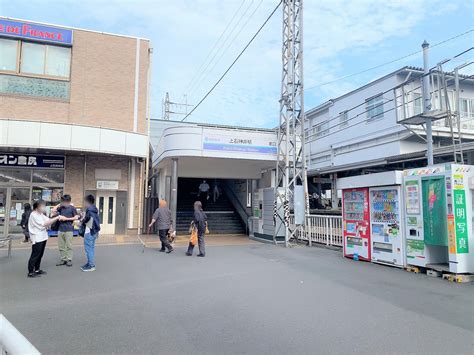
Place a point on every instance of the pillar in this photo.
(174, 190)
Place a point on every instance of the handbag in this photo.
(194, 237)
(207, 229)
(171, 236)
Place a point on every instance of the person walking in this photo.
(24, 222)
(200, 223)
(91, 223)
(37, 227)
(65, 229)
(164, 221)
(203, 192)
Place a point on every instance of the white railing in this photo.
(322, 229)
(12, 341)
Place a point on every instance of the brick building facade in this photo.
(74, 103)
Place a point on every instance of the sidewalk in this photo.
(150, 240)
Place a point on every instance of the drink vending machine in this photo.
(372, 217)
(439, 203)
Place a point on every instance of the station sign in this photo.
(35, 32)
(14, 160)
(250, 143)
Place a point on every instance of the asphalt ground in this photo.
(241, 299)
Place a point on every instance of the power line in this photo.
(204, 71)
(379, 114)
(399, 85)
(235, 61)
(215, 45)
(233, 40)
(389, 62)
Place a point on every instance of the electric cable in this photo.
(235, 61)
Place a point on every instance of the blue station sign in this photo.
(34, 32)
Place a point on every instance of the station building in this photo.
(73, 119)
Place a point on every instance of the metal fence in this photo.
(322, 229)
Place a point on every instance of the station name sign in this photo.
(34, 32)
(13, 160)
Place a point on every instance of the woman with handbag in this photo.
(198, 228)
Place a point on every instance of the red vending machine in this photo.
(356, 223)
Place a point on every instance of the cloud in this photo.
(183, 32)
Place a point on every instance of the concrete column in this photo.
(174, 190)
(334, 199)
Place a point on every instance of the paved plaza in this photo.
(243, 298)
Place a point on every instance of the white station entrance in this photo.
(237, 164)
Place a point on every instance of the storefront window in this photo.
(15, 175)
(8, 54)
(48, 176)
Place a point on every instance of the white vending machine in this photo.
(386, 225)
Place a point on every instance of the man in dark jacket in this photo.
(164, 221)
(91, 222)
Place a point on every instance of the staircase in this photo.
(221, 216)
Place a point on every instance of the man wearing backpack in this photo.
(91, 223)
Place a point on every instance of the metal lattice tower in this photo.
(291, 164)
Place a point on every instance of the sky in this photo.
(194, 42)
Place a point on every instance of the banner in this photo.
(14, 160)
(434, 212)
(35, 32)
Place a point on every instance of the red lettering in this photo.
(2, 28)
(13, 29)
(25, 29)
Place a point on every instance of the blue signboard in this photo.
(14, 160)
(34, 32)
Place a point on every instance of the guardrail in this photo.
(12, 341)
(322, 229)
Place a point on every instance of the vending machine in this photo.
(439, 217)
(356, 223)
(379, 223)
(386, 226)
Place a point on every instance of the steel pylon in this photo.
(291, 163)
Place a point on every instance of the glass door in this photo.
(3, 209)
(19, 196)
(106, 203)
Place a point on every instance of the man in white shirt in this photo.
(38, 225)
(204, 189)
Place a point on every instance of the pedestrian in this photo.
(200, 223)
(91, 223)
(203, 192)
(24, 222)
(164, 222)
(65, 229)
(37, 227)
(216, 193)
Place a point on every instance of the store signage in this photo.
(460, 218)
(240, 144)
(107, 185)
(14, 160)
(42, 33)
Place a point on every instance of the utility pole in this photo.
(291, 190)
(427, 102)
(167, 107)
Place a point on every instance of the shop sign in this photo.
(107, 185)
(451, 234)
(14, 160)
(35, 32)
(460, 218)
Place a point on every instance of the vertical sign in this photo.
(460, 218)
(451, 234)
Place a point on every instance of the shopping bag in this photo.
(207, 229)
(171, 236)
(194, 237)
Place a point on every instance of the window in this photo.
(8, 54)
(48, 176)
(321, 129)
(417, 103)
(343, 118)
(58, 61)
(374, 107)
(35, 58)
(32, 58)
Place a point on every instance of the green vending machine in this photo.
(439, 217)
